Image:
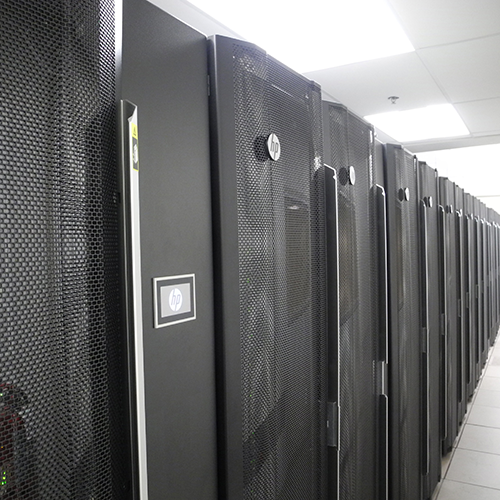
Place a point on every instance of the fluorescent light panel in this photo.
(316, 34)
(431, 122)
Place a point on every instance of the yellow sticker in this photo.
(135, 133)
(135, 147)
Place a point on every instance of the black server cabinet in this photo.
(407, 383)
(461, 299)
(71, 414)
(163, 72)
(62, 383)
(362, 319)
(479, 284)
(491, 270)
(494, 272)
(271, 284)
(431, 324)
(483, 287)
(486, 287)
(470, 294)
(496, 296)
(497, 272)
(449, 293)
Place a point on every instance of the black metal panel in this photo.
(164, 72)
(349, 144)
(470, 302)
(479, 283)
(450, 360)
(483, 286)
(497, 273)
(271, 306)
(405, 375)
(496, 293)
(491, 235)
(62, 404)
(461, 299)
(431, 318)
(491, 270)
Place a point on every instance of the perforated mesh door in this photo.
(281, 280)
(351, 145)
(461, 319)
(470, 295)
(447, 200)
(404, 364)
(61, 414)
(478, 263)
(428, 194)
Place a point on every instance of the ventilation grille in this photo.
(351, 144)
(281, 280)
(408, 317)
(428, 191)
(61, 408)
(447, 200)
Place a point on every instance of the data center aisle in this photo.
(472, 470)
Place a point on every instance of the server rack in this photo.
(496, 272)
(461, 299)
(362, 292)
(430, 324)
(449, 293)
(406, 381)
(493, 275)
(484, 282)
(470, 293)
(479, 294)
(74, 386)
(270, 263)
(497, 275)
(62, 382)
(176, 420)
(491, 271)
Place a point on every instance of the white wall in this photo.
(475, 169)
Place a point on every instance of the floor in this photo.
(471, 471)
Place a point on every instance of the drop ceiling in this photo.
(456, 60)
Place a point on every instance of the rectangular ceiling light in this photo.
(431, 122)
(315, 35)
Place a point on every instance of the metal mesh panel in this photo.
(281, 281)
(351, 144)
(461, 319)
(471, 289)
(428, 192)
(408, 319)
(478, 262)
(447, 200)
(60, 382)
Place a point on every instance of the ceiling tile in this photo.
(466, 71)
(481, 116)
(365, 87)
(437, 22)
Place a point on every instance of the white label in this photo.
(273, 147)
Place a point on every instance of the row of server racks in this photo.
(215, 285)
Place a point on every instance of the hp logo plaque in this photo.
(174, 300)
(273, 147)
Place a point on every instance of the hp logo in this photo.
(175, 299)
(273, 147)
